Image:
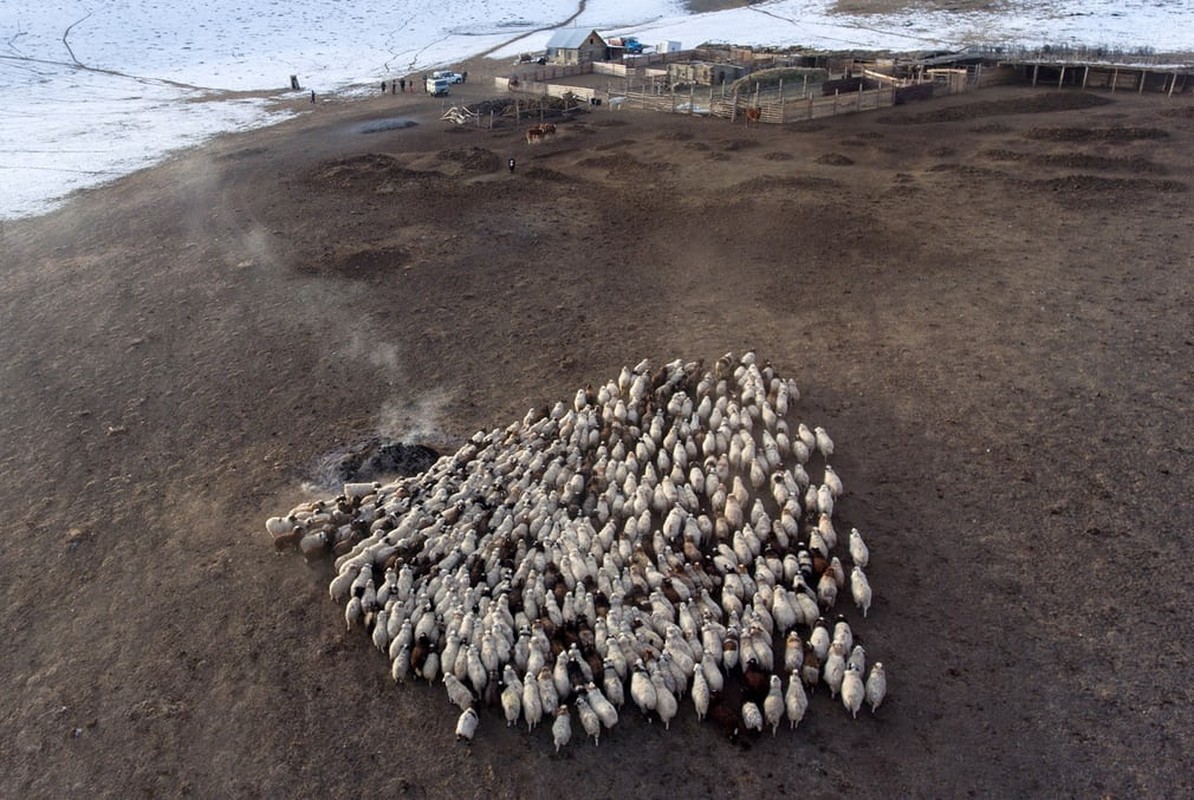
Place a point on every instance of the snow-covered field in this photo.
(93, 89)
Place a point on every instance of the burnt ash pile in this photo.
(659, 539)
(375, 458)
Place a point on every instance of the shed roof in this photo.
(571, 38)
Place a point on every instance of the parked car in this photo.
(450, 77)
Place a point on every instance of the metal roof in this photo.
(571, 38)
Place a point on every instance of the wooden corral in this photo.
(704, 73)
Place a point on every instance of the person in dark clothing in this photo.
(402, 84)
(510, 163)
(383, 87)
(312, 95)
(464, 77)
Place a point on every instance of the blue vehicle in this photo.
(633, 46)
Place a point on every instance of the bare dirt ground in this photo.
(986, 300)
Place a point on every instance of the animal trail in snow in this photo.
(658, 540)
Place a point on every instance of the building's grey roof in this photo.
(570, 38)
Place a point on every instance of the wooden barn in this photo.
(576, 46)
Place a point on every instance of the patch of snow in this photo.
(91, 91)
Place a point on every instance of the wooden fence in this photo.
(550, 72)
(581, 93)
(771, 111)
(611, 68)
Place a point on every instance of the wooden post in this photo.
(1035, 69)
(810, 106)
(1172, 83)
(491, 119)
(1114, 79)
(691, 97)
(835, 93)
(1085, 75)
(734, 111)
(804, 92)
(1061, 79)
(1143, 75)
(860, 95)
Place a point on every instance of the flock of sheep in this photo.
(667, 536)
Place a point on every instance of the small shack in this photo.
(576, 46)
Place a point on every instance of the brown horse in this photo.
(753, 114)
(538, 132)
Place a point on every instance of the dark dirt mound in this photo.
(382, 125)
(807, 127)
(1033, 104)
(1092, 162)
(968, 171)
(1101, 184)
(615, 145)
(248, 152)
(623, 166)
(771, 183)
(992, 127)
(1077, 161)
(834, 160)
(733, 145)
(370, 171)
(999, 154)
(548, 174)
(373, 459)
(778, 155)
(473, 160)
(359, 263)
(1185, 112)
(1109, 135)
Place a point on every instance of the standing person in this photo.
(383, 87)
(402, 84)
(393, 87)
(510, 164)
(312, 95)
(464, 77)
